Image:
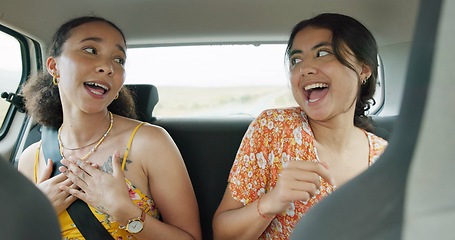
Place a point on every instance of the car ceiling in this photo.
(181, 22)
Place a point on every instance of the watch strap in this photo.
(140, 218)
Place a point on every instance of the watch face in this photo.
(135, 226)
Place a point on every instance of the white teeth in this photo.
(316, 85)
(97, 85)
(97, 93)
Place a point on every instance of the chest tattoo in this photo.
(107, 166)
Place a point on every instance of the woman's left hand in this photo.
(99, 189)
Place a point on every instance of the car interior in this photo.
(406, 195)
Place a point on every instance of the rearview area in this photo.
(216, 80)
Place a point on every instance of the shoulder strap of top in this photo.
(35, 166)
(129, 144)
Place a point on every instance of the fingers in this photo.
(79, 165)
(297, 185)
(116, 166)
(73, 193)
(318, 168)
(303, 188)
(79, 168)
(325, 164)
(66, 186)
(70, 199)
(301, 180)
(74, 169)
(71, 189)
(326, 175)
(88, 179)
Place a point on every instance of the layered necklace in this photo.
(61, 147)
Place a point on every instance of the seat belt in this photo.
(80, 213)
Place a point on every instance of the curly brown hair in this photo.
(42, 97)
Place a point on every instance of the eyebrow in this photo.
(97, 39)
(321, 44)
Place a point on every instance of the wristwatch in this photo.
(135, 225)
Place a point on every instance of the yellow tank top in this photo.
(69, 229)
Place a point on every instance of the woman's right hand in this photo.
(51, 188)
(298, 181)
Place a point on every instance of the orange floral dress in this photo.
(274, 138)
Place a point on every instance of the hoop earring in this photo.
(55, 80)
(116, 96)
(364, 81)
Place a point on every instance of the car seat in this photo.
(395, 198)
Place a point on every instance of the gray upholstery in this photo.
(371, 206)
(148, 95)
(26, 212)
(430, 194)
(208, 147)
(383, 125)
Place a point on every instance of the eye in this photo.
(295, 61)
(120, 60)
(322, 53)
(90, 50)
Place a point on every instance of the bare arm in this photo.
(27, 161)
(299, 181)
(172, 190)
(232, 220)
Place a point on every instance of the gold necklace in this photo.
(77, 148)
(60, 143)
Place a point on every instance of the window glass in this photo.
(380, 90)
(216, 80)
(10, 69)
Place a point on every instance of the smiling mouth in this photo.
(316, 91)
(96, 88)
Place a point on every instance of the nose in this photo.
(307, 68)
(106, 67)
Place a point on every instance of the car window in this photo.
(10, 69)
(215, 80)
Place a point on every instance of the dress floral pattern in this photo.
(274, 138)
(70, 231)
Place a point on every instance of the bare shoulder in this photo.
(154, 145)
(156, 140)
(152, 135)
(27, 160)
(148, 138)
(151, 130)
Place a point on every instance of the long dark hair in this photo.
(348, 33)
(42, 97)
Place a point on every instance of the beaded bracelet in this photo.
(262, 215)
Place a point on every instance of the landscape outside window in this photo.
(215, 80)
(218, 80)
(10, 69)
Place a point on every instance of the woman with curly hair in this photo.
(136, 189)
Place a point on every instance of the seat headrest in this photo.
(146, 97)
